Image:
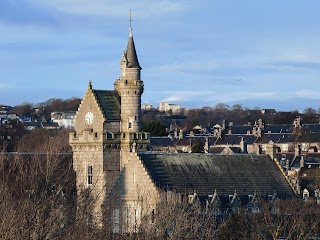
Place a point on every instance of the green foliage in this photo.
(198, 147)
(154, 127)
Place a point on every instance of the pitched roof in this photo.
(312, 127)
(163, 141)
(131, 54)
(216, 150)
(187, 140)
(276, 138)
(278, 128)
(203, 173)
(231, 139)
(240, 129)
(109, 102)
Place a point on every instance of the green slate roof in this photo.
(205, 173)
(109, 102)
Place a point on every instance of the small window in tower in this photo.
(152, 216)
(90, 175)
(129, 125)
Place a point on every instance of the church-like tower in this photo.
(130, 88)
(108, 137)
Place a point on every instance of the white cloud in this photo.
(112, 8)
(308, 94)
(181, 96)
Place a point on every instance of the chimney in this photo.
(224, 124)
(243, 145)
(207, 145)
(297, 150)
(297, 122)
(271, 150)
(181, 134)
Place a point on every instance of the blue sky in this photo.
(194, 53)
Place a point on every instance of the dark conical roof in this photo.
(132, 54)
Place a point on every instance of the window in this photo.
(116, 220)
(152, 216)
(129, 126)
(89, 175)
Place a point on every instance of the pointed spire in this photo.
(131, 50)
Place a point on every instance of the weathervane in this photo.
(130, 20)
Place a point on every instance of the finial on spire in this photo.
(130, 20)
(90, 84)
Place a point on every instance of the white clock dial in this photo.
(89, 118)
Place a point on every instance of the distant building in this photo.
(146, 106)
(5, 109)
(64, 119)
(166, 107)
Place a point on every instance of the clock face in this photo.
(88, 118)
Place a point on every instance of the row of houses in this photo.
(58, 120)
(294, 145)
(254, 138)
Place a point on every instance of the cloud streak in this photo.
(112, 8)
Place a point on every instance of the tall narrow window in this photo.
(129, 124)
(90, 175)
(116, 220)
(152, 216)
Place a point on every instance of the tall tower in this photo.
(130, 88)
(108, 136)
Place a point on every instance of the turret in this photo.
(130, 88)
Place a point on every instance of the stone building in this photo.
(107, 128)
(112, 162)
